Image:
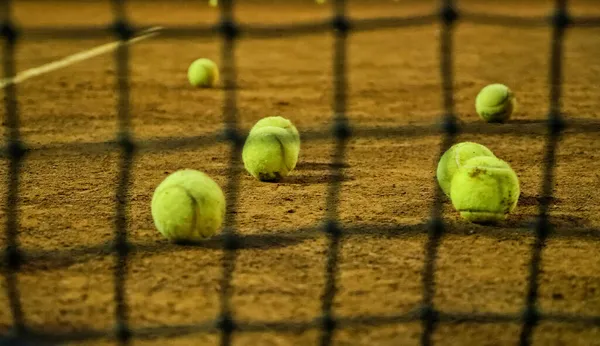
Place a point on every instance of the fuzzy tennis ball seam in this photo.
(194, 206)
(283, 153)
(502, 114)
(477, 171)
(277, 121)
(270, 153)
(188, 206)
(283, 157)
(495, 103)
(282, 162)
(195, 230)
(485, 190)
(454, 158)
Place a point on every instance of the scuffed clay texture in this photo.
(188, 206)
(454, 158)
(270, 153)
(485, 189)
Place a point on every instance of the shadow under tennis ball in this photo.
(318, 166)
(305, 179)
(517, 226)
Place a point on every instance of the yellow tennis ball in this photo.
(495, 103)
(188, 206)
(282, 122)
(203, 73)
(270, 153)
(213, 3)
(454, 158)
(485, 190)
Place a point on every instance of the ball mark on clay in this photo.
(266, 177)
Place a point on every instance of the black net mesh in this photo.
(341, 26)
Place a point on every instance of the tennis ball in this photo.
(213, 3)
(270, 153)
(454, 158)
(278, 121)
(188, 206)
(495, 103)
(203, 73)
(484, 190)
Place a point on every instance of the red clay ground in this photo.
(67, 196)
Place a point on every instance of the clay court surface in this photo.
(67, 195)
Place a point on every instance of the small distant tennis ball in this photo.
(454, 158)
(495, 103)
(270, 153)
(188, 206)
(278, 121)
(203, 73)
(213, 3)
(485, 190)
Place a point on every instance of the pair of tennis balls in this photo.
(189, 206)
(495, 103)
(482, 187)
(271, 149)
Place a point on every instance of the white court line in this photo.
(72, 59)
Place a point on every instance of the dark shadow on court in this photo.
(63, 335)
(560, 223)
(249, 241)
(319, 166)
(527, 121)
(40, 260)
(526, 200)
(516, 227)
(15, 341)
(305, 179)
